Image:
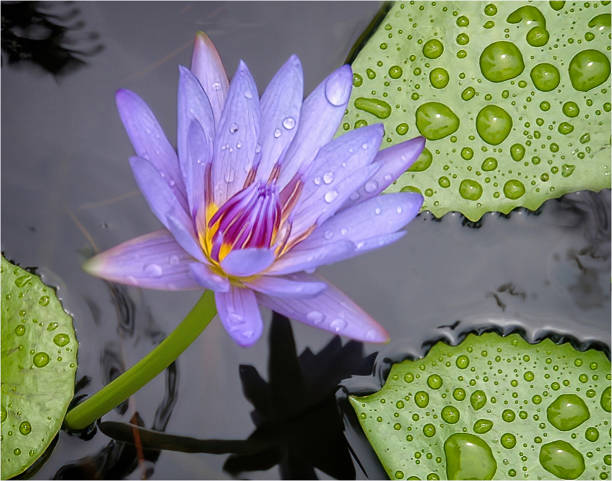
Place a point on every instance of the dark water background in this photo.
(67, 191)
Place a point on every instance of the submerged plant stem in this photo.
(147, 368)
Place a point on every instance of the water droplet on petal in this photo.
(337, 324)
(153, 270)
(315, 317)
(371, 186)
(289, 123)
(328, 177)
(248, 94)
(330, 196)
(216, 85)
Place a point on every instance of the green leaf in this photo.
(514, 99)
(39, 360)
(493, 408)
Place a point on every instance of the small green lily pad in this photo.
(513, 98)
(493, 408)
(39, 361)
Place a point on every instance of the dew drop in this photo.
(289, 123)
(545, 77)
(433, 48)
(330, 196)
(25, 428)
(328, 178)
(44, 301)
(315, 317)
(423, 162)
(482, 426)
(513, 189)
(605, 399)
(450, 414)
(371, 186)
(41, 359)
(61, 340)
(591, 434)
(470, 189)
(588, 69)
(478, 399)
(538, 36)
(434, 381)
(567, 412)
(508, 440)
(435, 120)
(438, 78)
(421, 399)
(561, 459)
(395, 71)
(493, 124)
(429, 430)
(501, 61)
(468, 457)
(153, 270)
(337, 325)
(337, 91)
(376, 107)
(20, 330)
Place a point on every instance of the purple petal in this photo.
(147, 137)
(280, 112)
(319, 120)
(194, 142)
(208, 278)
(236, 136)
(208, 68)
(160, 195)
(307, 286)
(299, 259)
(325, 202)
(373, 243)
(198, 158)
(240, 315)
(378, 216)
(331, 310)
(154, 261)
(393, 161)
(247, 262)
(182, 229)
(336, 162)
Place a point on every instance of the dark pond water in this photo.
(67, 191)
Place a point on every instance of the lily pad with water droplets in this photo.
(513, 97)
(39, 359)
(493, 407)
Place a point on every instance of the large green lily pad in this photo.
(39, 360)
(513, 97)
(493, 408)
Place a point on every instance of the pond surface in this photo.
(67, 192)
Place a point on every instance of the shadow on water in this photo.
(48, 35)
(295, 414)
(117, 460)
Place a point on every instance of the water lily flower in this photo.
(258, 194)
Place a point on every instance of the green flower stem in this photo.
(147, 368)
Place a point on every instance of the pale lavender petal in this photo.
(183, 231)
(393, 161)
(324, 203)
(298, 259)
(240, 315)
(208, 278)
(331, 310)
(147, 136)
(336, 162)
(380, 215)
(208, 68)
(373, 243)
(162, 197)
(154, 261)
(199, 157)
(321, 114)
(280, 113)
(196, 134)
(236, 136)
(306, 286)
(247, 262)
